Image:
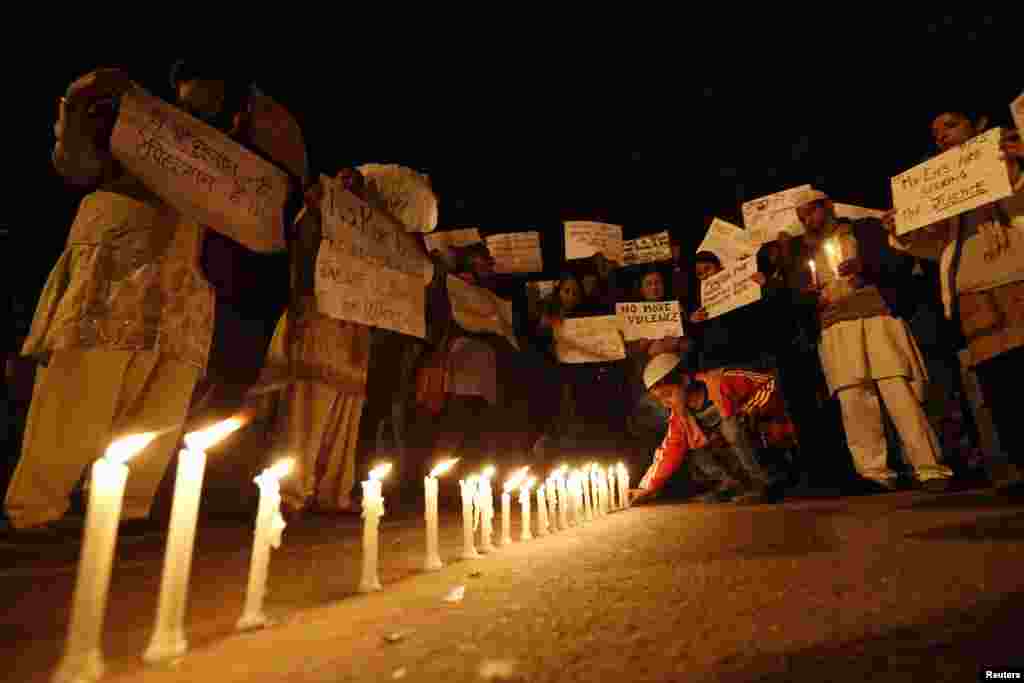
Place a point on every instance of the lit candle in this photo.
(526, 533)
(605, 491)
(623, 480)
(552, 493)
(572, 480)
(506, 504)
(595, 490)
(83, 654)
(433, 559)
(577, 497)
(168, 640)
(832, 254)
(612, 503)
(814, 272)
(588, 509)
(563, 498)
(542, 511)
(373, 510)
(468, 487)
(486, 511)
(269, 527)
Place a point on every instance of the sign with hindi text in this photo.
(951, 183)
(855, 212)
(586, 238)
(647, 249)
(727, 241)
(201, 172)
(480, 310)
(766, 217)
(649, 320)
(516, 252)
(595, 339)
(730, 289)
(452, 238)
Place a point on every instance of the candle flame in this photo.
(810, 264)
(123, 450)
(380, 471)
(488, 472)
(442, 467)
(280, 469)
(516, 479)
(203, 439)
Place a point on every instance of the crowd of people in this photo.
(153, 322)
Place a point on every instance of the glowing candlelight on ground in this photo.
(269, 527)
(83, 654)
(552, 495)
(168, 638)
(814, 272)
(563, 497)
(373, 510)
(542, 511)
(506, 504)
(433, 558)
(468, 487)
(486, 511)
(623, 480)
(526, 533)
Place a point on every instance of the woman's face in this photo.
(706, 269)
(950, 130)
(569, 294)
(652, 287)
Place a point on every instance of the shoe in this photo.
(940, 485)
(871, 487)
(759, 497)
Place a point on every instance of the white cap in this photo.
(659, 367)
(808, 196)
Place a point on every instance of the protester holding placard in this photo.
(867, 350)
(981, 255)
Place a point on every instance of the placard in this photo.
(855, 212)
(727, 241)
(586, 238)
(958, 180)
(516, 252)
(649, 320)
(480, 310)
(730, 289)
(201, 172)
(595, 339)
(767, 216)
(647, 249)
(1017, 110)
(452, 238)
(368, 269)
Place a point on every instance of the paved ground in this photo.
(896, 587)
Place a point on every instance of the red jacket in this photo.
(734, 392)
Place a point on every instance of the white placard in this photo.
(730, 289)
(855, 212)
(955, 181)
(201, 172)
(595, 339)
(1017, 110)
(767, 216)
(368, 269)
(585, 238)
(480, 310)
(649, 320)
(647, 249)
(452, 238)
(516, 252)
(727, 241)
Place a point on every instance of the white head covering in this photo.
(405, 194)
(808, 196)
(659, 367)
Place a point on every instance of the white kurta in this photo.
(856, 352)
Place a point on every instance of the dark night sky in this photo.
(661, 134)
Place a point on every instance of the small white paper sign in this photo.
(516, 252)
(595, 339)
(767, 216)
(951, 183)
(647, 249)
(586, 238)
(452, 238)
(730, 289)
(649, 320)
(727, 241)
(855, 212)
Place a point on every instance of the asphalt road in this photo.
(896, 587)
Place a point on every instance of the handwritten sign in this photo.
(649, 320)
(727, 241)
(1017, 110)
(730, 289)
(585, 238)
(955, 181)
(516, 252)
(648, 249)
(855, 212)
(595, 339)
(201, 172)
(480, 310)
(452, 238)
(766, 217)
(368, 269)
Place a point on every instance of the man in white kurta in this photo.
(867, 351)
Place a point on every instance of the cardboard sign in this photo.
(767, 216)
(647, 249)
(955, 181)
(596, 339)
(730, 289)
(727, 241)
(585, 238)
(855, 212)
(480, 310)
(201, 172)
(369, 270)
(649, 320)
(1017, 110)
(516, 252)
(452, 238)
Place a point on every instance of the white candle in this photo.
(814, 272)
(83, 653)
(542, 511)
(577, 498)
(552, 493)
(588, 511)
(612, 491)
(433, 562)
(373, 510)
(168, 640)
(605, 491)
(486, 511)
(526, 533)
(624, 485)
(595, 491)
(506, 504)
(563, 498)
(269, 527)
(469, 487)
